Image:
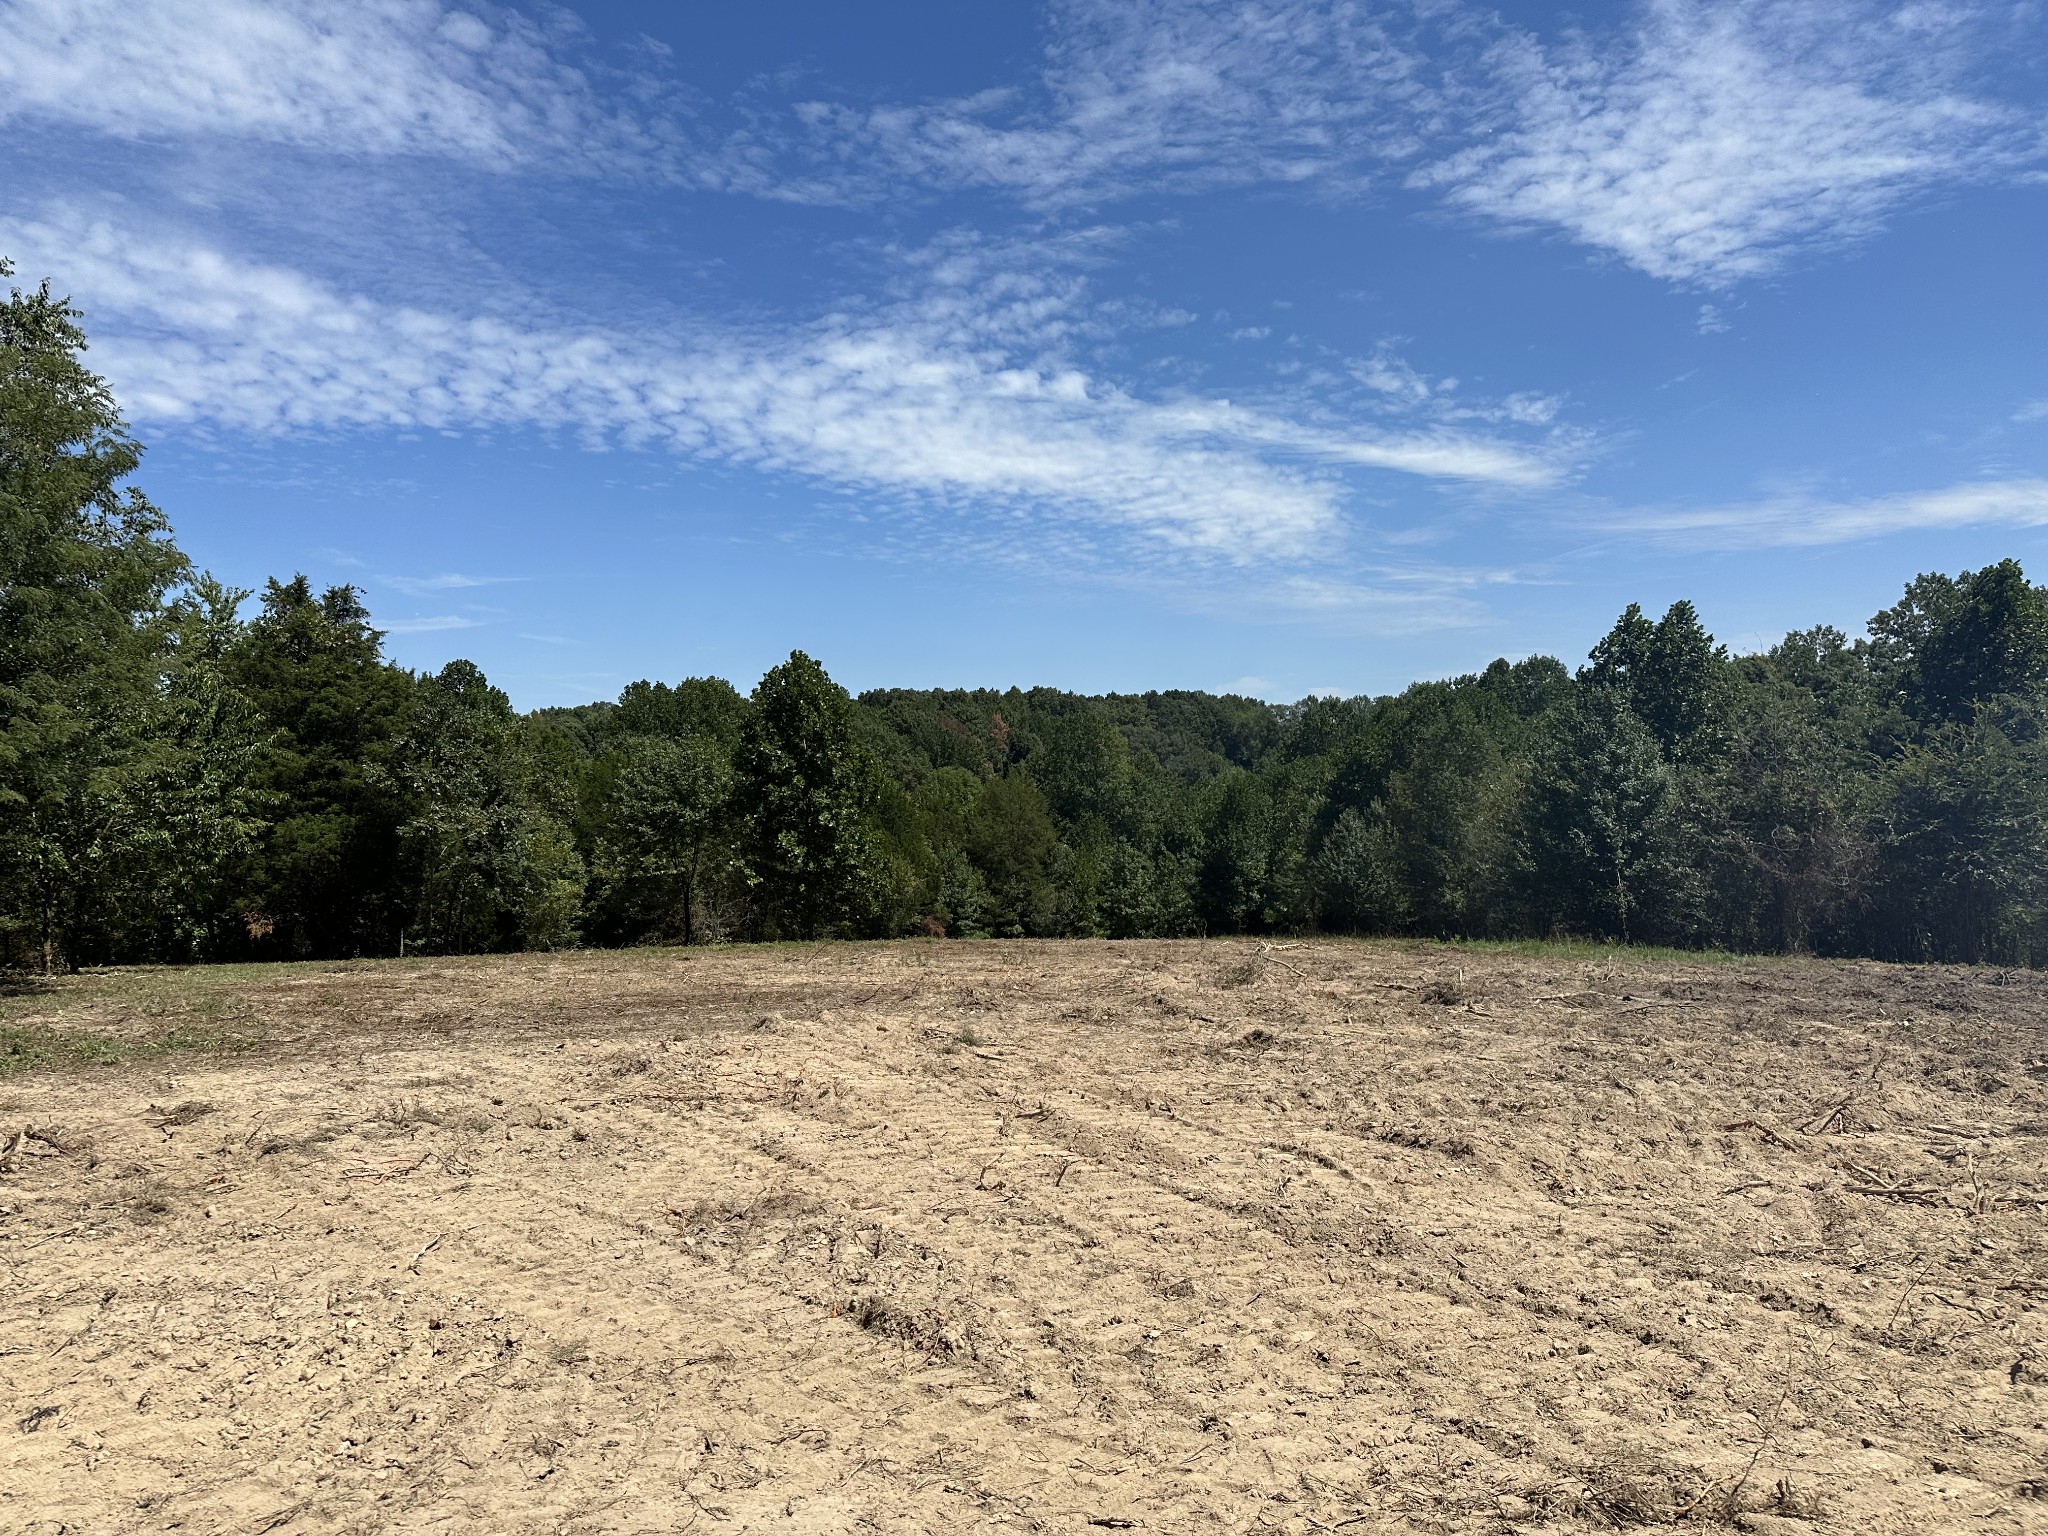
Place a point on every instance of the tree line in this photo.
(190, 775)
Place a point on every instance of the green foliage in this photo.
(1665, 673)
(1956, 642)
(86, 565)
(805, 790)
(491, 867)
(180, 781)
(666, 833)
(327, 882)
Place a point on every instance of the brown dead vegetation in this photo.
(1161, 1237)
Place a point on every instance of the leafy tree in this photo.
(805, 789)
(1599, 802)
(200, 813)
(1235, 883)
(666, 834)
(1787, 813)
(491, 868)
(86, 564)
(1665, 672)
(1358, 875)
(707, 707)
(1961, 830)
(1954, 642)
(1012, 842)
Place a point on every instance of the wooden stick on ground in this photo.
(432, 1244)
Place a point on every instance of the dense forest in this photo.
(189, 772)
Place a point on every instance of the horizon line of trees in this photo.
(181, 782)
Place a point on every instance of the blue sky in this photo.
(1108, 344)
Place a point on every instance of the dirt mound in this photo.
(1164, 1237)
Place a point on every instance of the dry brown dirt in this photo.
(1069, 1237)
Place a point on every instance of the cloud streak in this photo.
(2021, 503)
(1161, 96)
(383, 77)
(1705, 144)
(961, 395)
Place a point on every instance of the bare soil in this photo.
(1068, 1237)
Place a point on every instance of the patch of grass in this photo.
(28, 1048)
(1595, 949)
(117, 1017)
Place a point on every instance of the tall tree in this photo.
(1599, 800)
(805, 788)
(1665, 672)
(86, 564)
(328, 881)
(666, 828)
(491, 866)
(1955, 641)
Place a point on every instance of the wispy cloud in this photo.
(1704, 142)
(1159, 96)
(385, 77)
(1795, 521)
(422, 586)
(1720, 138)
(427, 625)
(963, 393)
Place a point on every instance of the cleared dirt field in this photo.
(899, 1238)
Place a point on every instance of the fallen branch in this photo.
(1819, 1124)
(431, 1245)
(379, 1175)
(1917, 1194)
(1764, 1131)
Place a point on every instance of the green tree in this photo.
(1235, 882)
(1955, 641)
(327, 881)
(491, 867)
(86, 565)
(666, 832)
(1010, 837)
(1666, 672)
(200, 812)
(1598, 815)
(805, 789)
(1358, 875)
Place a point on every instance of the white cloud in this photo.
(1711, 321)
(2033, 410)
(350, 76)
(427, 626)
(1704, 145)
(1721, 137)
(1792, 522)
(1162, 96)
(960, 395)
(421, 586)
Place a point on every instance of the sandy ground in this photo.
(915, 1238)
